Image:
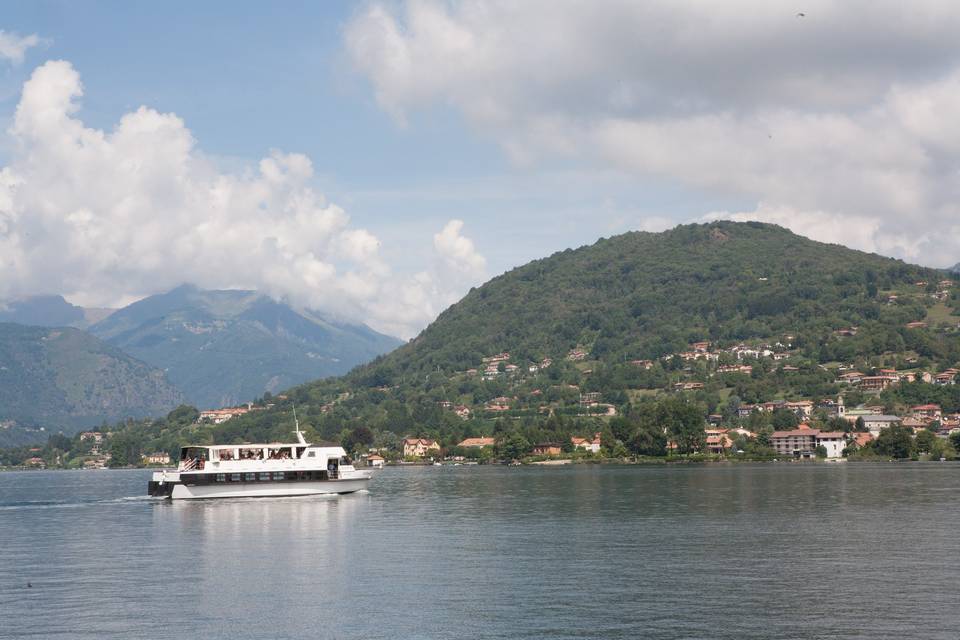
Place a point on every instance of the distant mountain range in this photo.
(65, 378)
(225, 347)
(205, 348)
(955, 268)
(50, 311)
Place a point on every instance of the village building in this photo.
(36, 462)
(547, 449)
(500, 357)
(876, 423)
(376, 461)
(462, 411)
(803, 441)
(718, 441)
(219, 416)
(850, 377)
(419, 447)
(593, 446)
(928, 411)
(477, 443)
(876, 383)
(96, 436)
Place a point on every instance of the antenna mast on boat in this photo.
(297, 423)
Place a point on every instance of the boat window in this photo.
(221, 477)
(234, 477)
(249, 477)
(311, 454)
(278, 475)
(264, 476)
(345, 460)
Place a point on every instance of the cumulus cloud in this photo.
(457, 252)
(846, 114)
(105, 216)
(13, 46)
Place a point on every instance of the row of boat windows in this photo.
(263, 476)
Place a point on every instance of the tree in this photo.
(894, 442)
(514, 447)
(784, 419)
(925, 441)
(684, 422)
(648, 441)
(358, 437)
(821, 451)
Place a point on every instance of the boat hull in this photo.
(266, 490)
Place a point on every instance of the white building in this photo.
(876, 423)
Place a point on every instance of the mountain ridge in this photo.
(228, 346)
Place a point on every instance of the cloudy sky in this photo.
(376, 160)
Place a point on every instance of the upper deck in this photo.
(263, 457)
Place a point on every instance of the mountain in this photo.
(955, 268)
(643, 296)
(615, 326)
(66, 378)
(50, 311)
(226, 347)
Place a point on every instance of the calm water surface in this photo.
(766, 551)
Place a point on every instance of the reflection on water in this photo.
(737, 551)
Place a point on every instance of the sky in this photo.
(376, 160)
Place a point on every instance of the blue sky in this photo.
(247, 77)
(540, 125)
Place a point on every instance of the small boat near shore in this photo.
(259, 470)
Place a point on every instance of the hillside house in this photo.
(643, 364)
(927, 411)
(96, 436)
(718, 441)
(878, 422)
(850, 377)
(496, 358)
(576, 355)
(462, 411)
(803, 441)
(876, 383)
(593, 446)
(547, 449)
(376, 461)
(219, 416)
(35, 462)
(916, 325)
(948, 377)
(419, 447)
(477, 443)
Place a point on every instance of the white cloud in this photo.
(13, 46)
(847, 114)
(457, 252)
(103, 216)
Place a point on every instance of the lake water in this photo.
(738, 551)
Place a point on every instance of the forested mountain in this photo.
(66, 378)
(632, 334)
(225, 347)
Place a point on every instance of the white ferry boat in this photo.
(259, 470)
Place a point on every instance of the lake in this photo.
(723, 551)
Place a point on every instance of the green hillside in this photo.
(66, 378)
(225, 347)
(601, 338)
